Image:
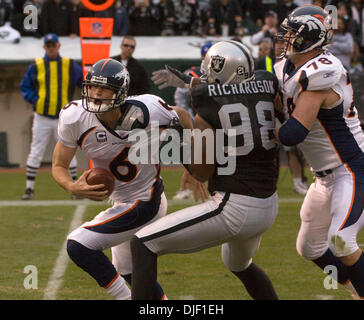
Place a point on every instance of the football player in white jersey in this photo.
(99, 125)
(324, 124)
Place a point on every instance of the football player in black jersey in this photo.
(237, 105)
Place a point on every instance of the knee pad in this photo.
(309, 250)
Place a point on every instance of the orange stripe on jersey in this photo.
(155, 180)
(111, 219)
(352, 197)
(84, 136)
(330, 141)
(111, 282)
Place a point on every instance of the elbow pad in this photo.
(292, 132)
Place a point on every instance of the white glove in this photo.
(170, 77)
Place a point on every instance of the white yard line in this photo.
(56, 278)
(50, 203)
(324, 297)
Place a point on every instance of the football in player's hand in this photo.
(101, 176)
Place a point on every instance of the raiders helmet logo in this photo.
(217, 63)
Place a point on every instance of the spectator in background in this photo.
(185, 15)
(7, 33)
(139, 83)
(54, 17)
(202, 17)
(121, 19)
(31, 32)
(48, 85)
(167, 15)
(352, 26)
(265, 48)
(5, 11)
(76, 10)
(319, 3)
(258, 8)
(268, 30)
(357, 14)
(286, 7)
(145, 19)
(300, 3)
(225, 18)
(342, 44)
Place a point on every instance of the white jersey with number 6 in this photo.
(109, 149)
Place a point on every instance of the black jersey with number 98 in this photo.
(248, 108)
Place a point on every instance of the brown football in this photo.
(101, 176)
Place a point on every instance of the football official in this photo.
(48, 85)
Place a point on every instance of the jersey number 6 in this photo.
(121, 161)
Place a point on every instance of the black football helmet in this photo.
(106, 73)
(309, 27)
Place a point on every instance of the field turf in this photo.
(34, 235)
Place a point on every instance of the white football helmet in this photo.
(227, 62)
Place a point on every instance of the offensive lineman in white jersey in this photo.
(100, 124)
(323, 122)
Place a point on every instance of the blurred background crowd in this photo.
(237, 18)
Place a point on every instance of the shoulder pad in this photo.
(322, 79)
(71, 112)
(133, 118)
(322, 72)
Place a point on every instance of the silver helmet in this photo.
(227, 62)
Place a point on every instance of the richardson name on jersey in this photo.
(250, 87)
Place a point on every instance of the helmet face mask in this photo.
(227, 62)
(109, 74)
(307, 28)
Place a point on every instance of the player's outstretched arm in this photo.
(171, 77)
(62, 157)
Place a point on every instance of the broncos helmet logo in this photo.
(313, 23)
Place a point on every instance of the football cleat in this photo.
(183, 195)
(300, 188)
(28, 194)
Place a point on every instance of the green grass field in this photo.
(34, 235)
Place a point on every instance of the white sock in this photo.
(30, 184)
(297, 180)
(119, 290)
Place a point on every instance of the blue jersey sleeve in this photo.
(77, 74)
(27, 86)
